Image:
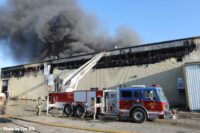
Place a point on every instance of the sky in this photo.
(154, 21)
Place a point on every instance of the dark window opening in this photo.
(137, 94)
(120, 57)
(5, 88)
(126, 94)
(181, 91)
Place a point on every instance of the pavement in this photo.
(188, 122)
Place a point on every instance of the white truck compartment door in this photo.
(90, 95)
(80, 96)
(111, 102)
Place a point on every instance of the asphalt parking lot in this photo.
(27, 121)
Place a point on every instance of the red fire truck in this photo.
(140, 103)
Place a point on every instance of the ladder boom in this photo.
(70, 82)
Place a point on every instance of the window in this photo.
(148, 94)
(155, 95)
(126, 94)
(161, 94)
(137, 94)
(180, 86)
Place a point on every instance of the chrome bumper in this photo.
(167, 115)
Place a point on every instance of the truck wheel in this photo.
(68, 110)
(138, 115)
(80, 111)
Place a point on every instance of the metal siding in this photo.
(193, 86)
(163, 73)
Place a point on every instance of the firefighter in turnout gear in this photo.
(39, 106)
(58, 84)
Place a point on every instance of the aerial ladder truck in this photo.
(69, 98)
(138, 102)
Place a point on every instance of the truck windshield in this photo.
(161, 95)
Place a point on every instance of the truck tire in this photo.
(80, 111)
(68, 110)
(138, 115)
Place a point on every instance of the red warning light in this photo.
(156, 85)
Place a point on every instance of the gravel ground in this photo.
(187, 123)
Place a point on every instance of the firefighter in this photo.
(58, 84)
(39, 106)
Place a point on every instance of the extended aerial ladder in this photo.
(70, 82)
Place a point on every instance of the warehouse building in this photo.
(157, 63)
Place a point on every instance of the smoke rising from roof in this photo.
(41, 29)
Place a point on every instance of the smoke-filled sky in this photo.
(42, 29)
(35, 30)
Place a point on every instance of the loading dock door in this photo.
(5, 87)
(192, 77)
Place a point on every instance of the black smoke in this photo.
(43, 29)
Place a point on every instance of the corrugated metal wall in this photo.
(33, 85)
(192, 77)
(163, 73)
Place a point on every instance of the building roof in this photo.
(134, 55)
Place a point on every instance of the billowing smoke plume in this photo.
(41, 29)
